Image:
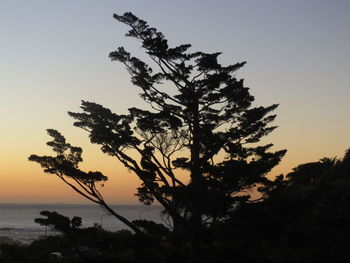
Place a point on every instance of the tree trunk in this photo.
(196, 220)
(121, 218)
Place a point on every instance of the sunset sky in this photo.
(53, 54)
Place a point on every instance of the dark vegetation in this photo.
(305, 218)
(207, 127)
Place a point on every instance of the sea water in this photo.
(17, 220)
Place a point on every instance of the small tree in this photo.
(60, 223)
(205, 126)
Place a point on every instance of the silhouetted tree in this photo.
(58, 222)
(205, 126)
(305, 219)
(65, 165)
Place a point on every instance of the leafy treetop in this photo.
(206, 127)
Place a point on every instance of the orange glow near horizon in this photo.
(29, 184)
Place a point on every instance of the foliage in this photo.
(205, 127)
(304, 219)
(65, 165)
(59, 222)
(92, 245)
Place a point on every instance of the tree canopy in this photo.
(59, 222)
(197, 144)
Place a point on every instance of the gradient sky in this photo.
(55, 53)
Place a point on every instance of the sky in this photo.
(53, 54)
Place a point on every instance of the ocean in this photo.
(17, 220)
